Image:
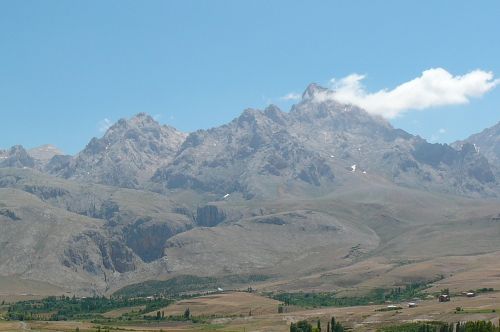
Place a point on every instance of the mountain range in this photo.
(306, 197)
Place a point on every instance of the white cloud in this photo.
(442, 131)
(435, 87)
(291, 96)
(104, 125)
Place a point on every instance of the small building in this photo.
(470, 294)
(444, 298)
(412, 305)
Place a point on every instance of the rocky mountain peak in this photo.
(128, 153)
(250, 113)
(252, 118)
(143, 130)
(17, 149)
(311, 90)
(137, 122)
(272, 109)
(16, 156)
(45, 152)
(486, 143)
(274, 113)
(317, 145)
(143, 119)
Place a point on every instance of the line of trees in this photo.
(473, 326)
(330, 299)
(305, 326)
(335, 326)
(477, 326)
(64, 308)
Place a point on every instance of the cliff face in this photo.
(16, 156)
(209, 216)
(314, 149)
(252, 156)
(127, 155)
(148, 238)
(487, 143)
(87, 238)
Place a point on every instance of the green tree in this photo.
(301, 326)
(336, 326)
(187, 313)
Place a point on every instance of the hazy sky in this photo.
(69, 68)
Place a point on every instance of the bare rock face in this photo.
(466, 161)
(97, 233)
(44, 153)
(148, 238)
(311, 150)
(112, 255)
(316, 147)
(9, 214)
(209, 216)
(129, 152)
(253, 155)
(16, 156)
(486, 143)
(35, 236)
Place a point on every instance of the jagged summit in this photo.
(311, 146)
(140, 120)
(311, 90)
(486, 143)
(143, 119)
(276, 114)
(16, 156)
(128, 153)
(142, 115)
(316, 145)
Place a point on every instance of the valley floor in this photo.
(233, 314)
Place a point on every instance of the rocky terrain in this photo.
(127, 155)
(308, 150)
(44, 153)
(292, 195)
(487, 143)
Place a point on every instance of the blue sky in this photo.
(65, 66)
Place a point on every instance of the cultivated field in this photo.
(229, 304)
(231, 312)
